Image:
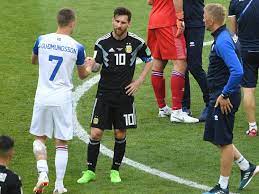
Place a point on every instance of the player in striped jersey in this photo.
(114, 106)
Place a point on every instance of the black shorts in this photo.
(251, 65)
(218, 126)
(117, 115)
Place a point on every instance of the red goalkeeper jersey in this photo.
(162, 14)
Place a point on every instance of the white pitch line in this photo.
(82, 134)
(207, 43)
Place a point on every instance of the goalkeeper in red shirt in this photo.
(166, 42)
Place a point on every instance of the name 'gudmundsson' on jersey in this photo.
(58, 47)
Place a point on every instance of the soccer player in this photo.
(224, 76)
(194, 36)
(244, 21)
(57, 54)
(166, 42)
(10, 183)
(114, 105)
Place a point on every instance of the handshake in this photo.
(91, 65)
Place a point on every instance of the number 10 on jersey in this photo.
(120, 58)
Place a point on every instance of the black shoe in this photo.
(247, 175)
(217, 190)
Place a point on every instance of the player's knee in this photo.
(96, 134)
(120, 134)
(60, 142)
(249, 92)
(39, 147)
(158, 65)
(180, 66)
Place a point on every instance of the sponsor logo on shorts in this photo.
(95, 120)
(216, 118)
(192, 44)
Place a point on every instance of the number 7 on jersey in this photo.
(60, 60)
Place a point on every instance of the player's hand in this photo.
(180, 23)
(225, 105)
(150, 2)
(90, 62)
(133, 87)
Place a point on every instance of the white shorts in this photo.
(49, 119)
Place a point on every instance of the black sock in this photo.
(92, 154)
(119, 151)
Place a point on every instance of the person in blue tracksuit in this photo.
(224, 76)
(244, 21)
(194, 36)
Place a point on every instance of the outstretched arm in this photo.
(85, 69)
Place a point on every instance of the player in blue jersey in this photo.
(244, 21)
(57, 53)
(194, 35)
(224, 76)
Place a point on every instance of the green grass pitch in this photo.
(174, 148)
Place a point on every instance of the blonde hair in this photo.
(217, 12)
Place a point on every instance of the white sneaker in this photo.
(43, 181)
(59, 190)
(182, 117)
(164, 112)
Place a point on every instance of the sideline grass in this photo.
(174, 148)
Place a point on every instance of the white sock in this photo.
(61, 163)
(242, 163)
(223, 181)
(42, 166)
(252, 126)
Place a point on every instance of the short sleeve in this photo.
(35, 49)
(144, 54)
(98, 55)
(80, 55)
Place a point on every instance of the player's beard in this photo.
(119, 32)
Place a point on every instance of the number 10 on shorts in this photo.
(130, 119)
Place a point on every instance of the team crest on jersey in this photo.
(128, 48)
(95, 120)
(235, 38)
